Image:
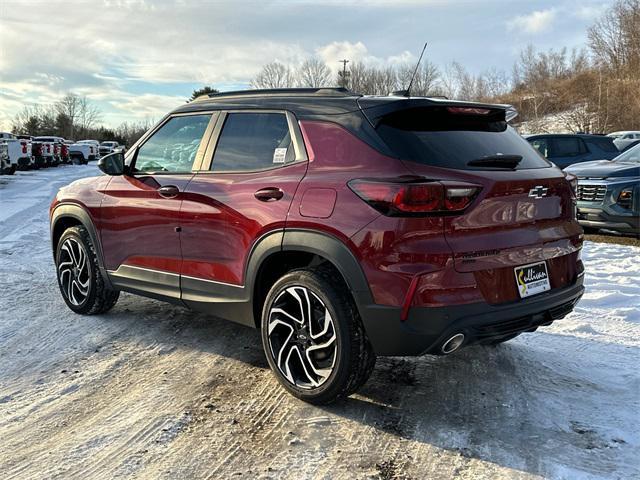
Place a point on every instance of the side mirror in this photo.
(112, 164)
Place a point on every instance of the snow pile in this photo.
(152, 391)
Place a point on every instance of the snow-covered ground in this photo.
(154, 391)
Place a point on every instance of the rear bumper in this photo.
(427, 328)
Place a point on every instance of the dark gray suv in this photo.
(567, 149)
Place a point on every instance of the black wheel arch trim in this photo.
(338, 253)
(78, 213)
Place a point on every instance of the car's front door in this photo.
(140, 210)
(251, 170)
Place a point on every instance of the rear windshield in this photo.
(445, 137)
(605, 144)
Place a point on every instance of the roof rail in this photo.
(303, 92)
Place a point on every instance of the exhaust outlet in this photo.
(452, 344)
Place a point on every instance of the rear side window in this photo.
(542, 146)
(253, 141)
(567, 147)
(173, 147)
(439, 137)
(605, 144)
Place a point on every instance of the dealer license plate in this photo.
(532, 279)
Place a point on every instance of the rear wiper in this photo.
(497, 161)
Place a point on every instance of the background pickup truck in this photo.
(26, 160)
(13, 153)
(95, 144)
(82, 153)
(109, 147)
(48, 151)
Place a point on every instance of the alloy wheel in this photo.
(73, 271)
(302, 337)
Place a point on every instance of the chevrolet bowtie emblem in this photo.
(538, 191)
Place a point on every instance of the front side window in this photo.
(174, 146)
(253, 141)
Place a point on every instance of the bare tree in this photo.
(274, 75)
(615, 38)
(314, 73)
(427, 79)
(69, 107)
(89, 115)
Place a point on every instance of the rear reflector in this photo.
(397, 198)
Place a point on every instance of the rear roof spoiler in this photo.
(374, 107)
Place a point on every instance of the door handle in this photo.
(270, 194)
(168, 191)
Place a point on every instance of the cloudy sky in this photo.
(138, 59)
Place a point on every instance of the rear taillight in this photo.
(48, 148)
(24, 147)
(416, 198)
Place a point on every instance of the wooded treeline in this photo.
(593, 89)
(75, 118)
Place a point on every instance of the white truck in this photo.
(13, 153)
(82, 153)
(27, 159)
(625, 138)
(4, 158)
(48, 150)
(96, 145)
(109, 147)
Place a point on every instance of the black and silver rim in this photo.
(302, 337)
(73, 271)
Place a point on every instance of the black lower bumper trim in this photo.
(426, 328)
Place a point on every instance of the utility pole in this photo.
(344, 74)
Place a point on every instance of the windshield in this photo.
(630, 156)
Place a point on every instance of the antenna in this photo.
(408, 92)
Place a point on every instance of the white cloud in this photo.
(333, 52)
(589, 12)
(534, 22)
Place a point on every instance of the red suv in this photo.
(343, 226)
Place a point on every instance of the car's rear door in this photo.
(241, 195)
(568, 150)
(140, 210)
(521, 215)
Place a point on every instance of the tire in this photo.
(81, 284)
(343, 358)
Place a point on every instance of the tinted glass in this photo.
(173, 148)
(253, 141)
(541, 145)
(630, 156)
(605, 144)
(567, 147)
(435, 136)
